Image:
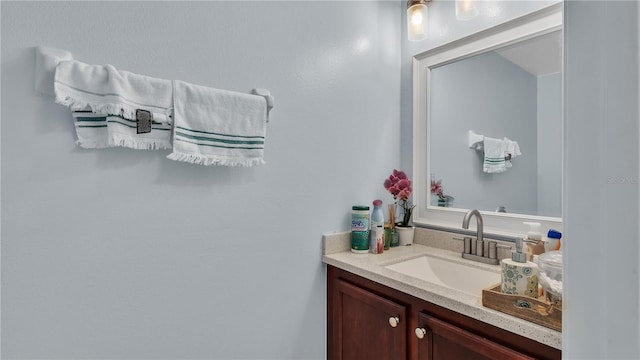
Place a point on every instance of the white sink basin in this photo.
(470, 280)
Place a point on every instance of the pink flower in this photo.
(399, 174)
(399, 185)
(436, 188)
(404, 183)
(404, 194)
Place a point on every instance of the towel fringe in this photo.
(208, 161)
(138, 144)
(116, 141)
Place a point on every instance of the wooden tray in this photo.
(535, 310)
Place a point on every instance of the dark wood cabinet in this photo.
(369, 321)
(367, 326)
(437, 339)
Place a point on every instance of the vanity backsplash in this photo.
(339, 242)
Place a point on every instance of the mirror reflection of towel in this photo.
(494, 150)
(512, 150)
(498, 154)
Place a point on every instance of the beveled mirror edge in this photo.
(537, 23)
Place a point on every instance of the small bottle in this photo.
(388, 235)
(377, 215)
(377, 228)
(377, 240)
(552, 241)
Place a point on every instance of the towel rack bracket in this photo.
(47, 58)
(267, 96)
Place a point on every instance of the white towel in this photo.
(218, 127)
(494, 150)
(511, 148)
(105, 101)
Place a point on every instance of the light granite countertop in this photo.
(372, 267)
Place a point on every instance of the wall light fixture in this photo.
(417, 19)
(466, 9)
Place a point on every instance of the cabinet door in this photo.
(365, 326)
(441, 340)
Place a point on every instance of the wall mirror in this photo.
(487, 114)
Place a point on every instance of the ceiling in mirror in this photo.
(541, 55)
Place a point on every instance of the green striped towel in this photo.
(218, 127)
(97, 131)
(494, 153)
(104, 101)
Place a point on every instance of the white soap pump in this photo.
(534, 240)
(534, 231)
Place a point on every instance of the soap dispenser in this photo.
(519, 276)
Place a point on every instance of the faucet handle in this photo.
(467, 240)
(493, 250)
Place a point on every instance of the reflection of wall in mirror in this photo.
(466, 98)
(550, 144)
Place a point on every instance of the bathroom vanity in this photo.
(425, 301)
(367, 320)
(375, 311)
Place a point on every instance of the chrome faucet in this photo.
(477, 249)
(467, 218)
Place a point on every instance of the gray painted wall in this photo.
(550, 145)
(464, 97)
(601, 172)
(79, 280)
(125, 254)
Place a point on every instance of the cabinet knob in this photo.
(420, 333)
(394, 321)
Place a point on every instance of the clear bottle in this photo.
(377, 228)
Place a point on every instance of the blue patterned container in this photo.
(360, 225)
